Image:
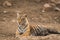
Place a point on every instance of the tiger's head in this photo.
(22, 23)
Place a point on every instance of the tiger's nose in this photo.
(21, 33)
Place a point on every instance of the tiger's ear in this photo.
(25, 15)
(18, 18)
(18, 15)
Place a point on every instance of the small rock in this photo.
(4, 11)
(46, 6)
(7, 3)
(13, 20)
(57, 9)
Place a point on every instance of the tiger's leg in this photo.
(17, 33)
(27, 33)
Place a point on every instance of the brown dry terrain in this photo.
(33, 8)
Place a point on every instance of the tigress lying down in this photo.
(24, 29)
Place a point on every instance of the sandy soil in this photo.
(8, 24)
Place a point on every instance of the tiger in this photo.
(24, 29)
(23, 26)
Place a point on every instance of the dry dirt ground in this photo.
(8, 24)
